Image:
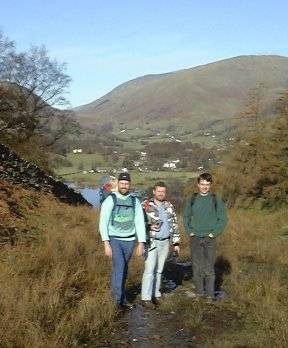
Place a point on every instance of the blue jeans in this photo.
(121, 254)
(155, 258)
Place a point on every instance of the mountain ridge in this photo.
(210, 91)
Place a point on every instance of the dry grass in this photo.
(255, 311)
(54, 279)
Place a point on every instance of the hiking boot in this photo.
(196, 297)
(157, 301)
(210, 300)
(127, 306)
(148, 304)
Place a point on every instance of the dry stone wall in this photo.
(18, 171)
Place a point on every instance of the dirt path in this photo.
(143, 328)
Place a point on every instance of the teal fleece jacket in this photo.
(106, 228)
(202, 219)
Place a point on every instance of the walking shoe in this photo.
(157, 301)
(196, 297)
(210, 300)
(127, 306)
(148, 304)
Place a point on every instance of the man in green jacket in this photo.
(204, 219)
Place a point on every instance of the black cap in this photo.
(124, 176)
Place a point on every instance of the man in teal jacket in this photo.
(121, 222)
(204, 219)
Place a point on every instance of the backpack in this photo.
(106, 187)
(214, 199)
(115, 205)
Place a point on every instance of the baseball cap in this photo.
(124, 176)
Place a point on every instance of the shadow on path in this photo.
(144, 328)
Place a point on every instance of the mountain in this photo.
(191, 98)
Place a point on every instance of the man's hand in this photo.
(140, 249)
(108, 249)
(176, 249)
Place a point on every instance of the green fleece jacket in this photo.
(202, 218)
(106, 228)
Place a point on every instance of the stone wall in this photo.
(18, 171)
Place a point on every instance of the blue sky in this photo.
(107, 42)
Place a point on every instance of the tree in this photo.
(128, 163)
(32, 84)
(7, 48)
(256, 171)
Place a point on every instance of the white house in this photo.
(137, 163)
(170, 165)
(77, 150)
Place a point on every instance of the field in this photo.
(252, 257)
(140, 180)
(54, 279)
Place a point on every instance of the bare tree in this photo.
(31, 86)
(6, 49)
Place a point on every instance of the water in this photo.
(91, 195)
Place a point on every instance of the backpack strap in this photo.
(193, 198)
(214, 199)
(114, 207)
(133, 203)
(133, 199)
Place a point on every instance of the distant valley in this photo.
(202, 104)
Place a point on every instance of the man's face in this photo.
(123, 186)
(159, 193)
(204, 186)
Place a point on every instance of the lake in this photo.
(91, 195)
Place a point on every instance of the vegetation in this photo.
(31, 85)
(253, 261)
(190, 100)
(256, 171)
(54, 278)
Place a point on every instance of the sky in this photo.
(108, 42)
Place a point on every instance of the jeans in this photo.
(155, 258)
(203, 258)
(121, 254)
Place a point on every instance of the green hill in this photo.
(193, 99)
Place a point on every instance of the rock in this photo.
(18, 171)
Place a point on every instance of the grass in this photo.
(255, 310)
(54, 279)
(139, 180)
(86, 161)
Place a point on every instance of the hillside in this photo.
(190, 99)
